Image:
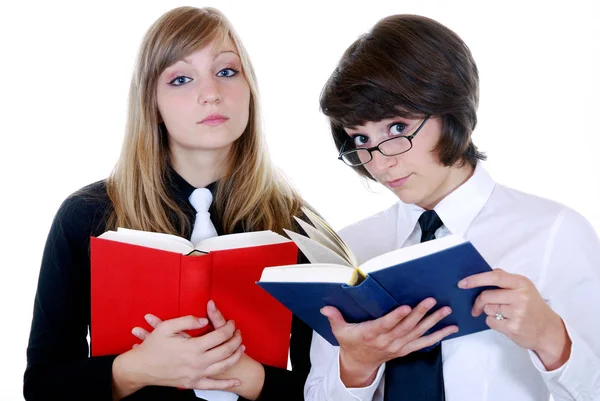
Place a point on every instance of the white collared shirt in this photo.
(552, 245)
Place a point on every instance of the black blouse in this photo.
(58, 365)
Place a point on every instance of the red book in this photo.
(134, 273)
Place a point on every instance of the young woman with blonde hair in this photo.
(193, 123)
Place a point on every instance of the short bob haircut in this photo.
(407, 66)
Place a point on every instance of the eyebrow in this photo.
(226, 51)
(214, 58)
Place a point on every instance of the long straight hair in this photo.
(252, 194)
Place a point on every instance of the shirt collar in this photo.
(181, 189)
(457, 210)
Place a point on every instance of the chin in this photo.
(214, 143)
(405, 195)
(410, 196)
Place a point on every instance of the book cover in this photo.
(130, 280)
(404, 276)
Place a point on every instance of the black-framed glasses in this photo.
(390, 147)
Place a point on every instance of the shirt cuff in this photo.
(336, 389)
(216, 395)
(578, 378)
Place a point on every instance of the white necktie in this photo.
(201, 199)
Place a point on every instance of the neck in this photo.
(457, 176)
(199, 167)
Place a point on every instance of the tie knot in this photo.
(429, 222)
(201, 199)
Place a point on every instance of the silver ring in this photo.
(499, 316)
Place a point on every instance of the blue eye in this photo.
(180, 81)
(227, 73)
(397, 128)
(360, 140)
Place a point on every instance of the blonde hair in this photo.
(252, 193)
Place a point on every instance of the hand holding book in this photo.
(165, 353)
(236, 372)
(365, 346)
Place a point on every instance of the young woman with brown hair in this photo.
(402, 106)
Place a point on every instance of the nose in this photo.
(209, 92)
(380, 163)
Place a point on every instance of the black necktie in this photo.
(418, 376)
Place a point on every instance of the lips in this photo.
(399, 182)
(214, 119)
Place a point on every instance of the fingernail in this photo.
(243, 348)
(211, 306)
(203, 321)
(321, 310)
(429, 303)
(135, 331)
(462, 283)
(148, 319)
(447, 311)
(237, 384)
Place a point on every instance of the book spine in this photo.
(372, 297)
(195, 287)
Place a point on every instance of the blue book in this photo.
(368, 291)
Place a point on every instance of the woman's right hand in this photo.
(166, 358)
(365, 346)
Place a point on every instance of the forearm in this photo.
(324, 381)
(124, 379)
(250, 373)
(578, 379)
(555, 346)
(354, 374)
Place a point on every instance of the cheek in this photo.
(371, 171)
(241, 98)
(165, 105)
(175, 98)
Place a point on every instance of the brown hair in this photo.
(252, 194)
(408, 66)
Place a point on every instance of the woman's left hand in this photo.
(247, 370)
(518, 310)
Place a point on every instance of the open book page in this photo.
(322, 239)
(173, 243)
(410, 253)
(241, 240)
(315, 252)
(325, 229)
(322, 273)
(165, 242)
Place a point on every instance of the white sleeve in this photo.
(572, 289)
(216, 395)
(324, 383)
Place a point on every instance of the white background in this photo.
(66, 67)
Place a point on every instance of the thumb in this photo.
(335, 317)
(215, 316)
